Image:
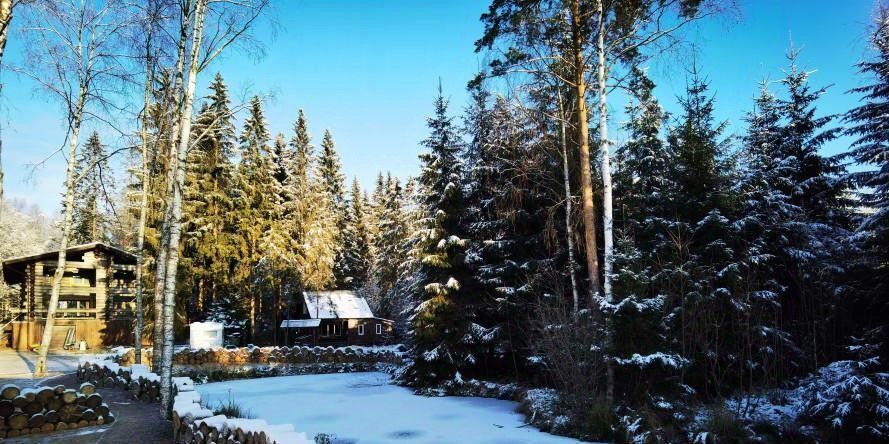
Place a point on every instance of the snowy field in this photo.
(364, 408)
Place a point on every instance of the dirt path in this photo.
(137, 422)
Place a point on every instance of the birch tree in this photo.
(74, 58)
(229, 22)
(153, 17)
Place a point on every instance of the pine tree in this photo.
(440, 323)
(90, 196)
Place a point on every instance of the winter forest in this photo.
(678, 283)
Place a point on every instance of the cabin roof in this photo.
(337, 304)
(14, 268)
(300, 323)
(117, 252)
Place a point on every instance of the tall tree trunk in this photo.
(602, 84)
(604, 144)
(583, 143)
(175, 227)
(172, 159)
(569, 235)
(77, 117)
(5, 20)
(143, 201)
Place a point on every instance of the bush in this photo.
(232, 409)
(724, 427)
(849, 402)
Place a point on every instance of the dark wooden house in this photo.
(96, 302)
(336, 318)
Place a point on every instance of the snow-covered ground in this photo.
(365, 408)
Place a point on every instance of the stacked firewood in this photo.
(143, 385)
(46, 409)
(222, 430)
(285, 355)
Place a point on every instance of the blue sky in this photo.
(368, 70)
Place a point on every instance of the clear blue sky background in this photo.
(368, 70)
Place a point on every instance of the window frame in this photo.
(360, 329)
(379, 329)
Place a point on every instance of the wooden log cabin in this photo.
(96, 302)
(336, 318)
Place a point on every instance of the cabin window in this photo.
(360, 330)
(379, 329)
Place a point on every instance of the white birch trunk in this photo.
(143, 203)
(40, 368)
(174, 229)
(604, 144)
(568, 205)
(608, 240)
(5, 20)
(172, 159)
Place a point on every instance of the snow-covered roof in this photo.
(74, 249)
(299, 323)
(336, 304)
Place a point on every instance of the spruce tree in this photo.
(702, 276)
(388, 246)
(507, 222)
(816, 184)
(331, 179)
(257, 200)
(309, 214)
(868, 124)
(90, 220)
(440, 323)
(356, 242)
(209, 201)
(647, 369)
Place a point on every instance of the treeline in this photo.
(738, 264)
(268, 217)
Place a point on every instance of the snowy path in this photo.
(364, 408)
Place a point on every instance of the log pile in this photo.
(127, 356)
(141, 384)
(194, 424)
(220, 429)
(286, 355)
(46, 409)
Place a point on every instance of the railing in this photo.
(71, 313)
